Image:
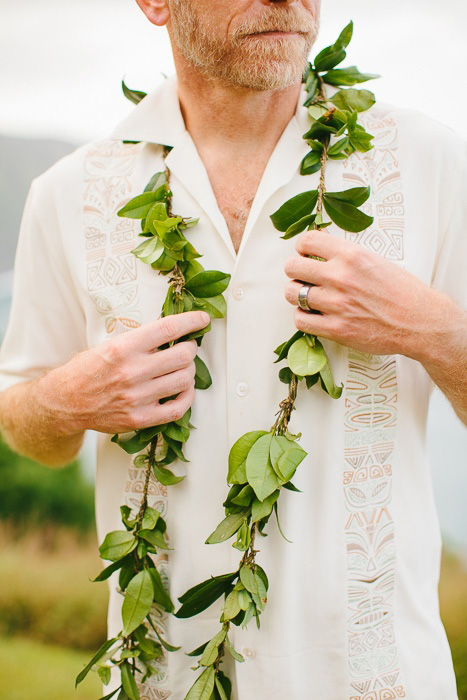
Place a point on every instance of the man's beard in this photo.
(257, 63)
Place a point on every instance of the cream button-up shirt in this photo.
(353, 609)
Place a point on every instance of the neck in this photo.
(239, 120)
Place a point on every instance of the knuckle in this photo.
(303, 241)
(169, 326)
(111, 353)
(290, 267)
(185, 354)
(175, 410)
(182, 380)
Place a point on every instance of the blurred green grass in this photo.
(30, 670)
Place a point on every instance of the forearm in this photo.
(444, 354)
(31, 425)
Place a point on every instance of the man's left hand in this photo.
(366, 302)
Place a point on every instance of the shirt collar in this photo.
(158, 117)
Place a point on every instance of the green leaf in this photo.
(285, 375)
(227, 528)
(231, 606)
(244, 497)
(108, 571)
(333, 55)
(327, 382)
(289, 461)
(215, 306)
(284, 348)
(238, 455)
(110, 695)
(104, 674)
(155, 538)
(117, 544)
(211, 651)
(199, 650)
(137, 601)
(311, 163)
(134, 96)
(355, 195)
(128, 682)
(238, 657)
(165, 476)
(351, 99)
(279, 524)
(303, 359)
(299, 226)
(294, 209)
(150, 518)
(165, 644)
(224, 682)
(347, 76)
(243, 538)
(208, 283)
(247, 577)
(138, 207)
(156, 182)
(346, 216)
(177, 432)
(203, 687)
(201, 596)
(160, 594)
(290, 487)
(220, 690)
(262, 509)
(98, 655)
(203, 378)
(259, 471)
(130, 442)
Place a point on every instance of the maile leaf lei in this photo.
(261, 462)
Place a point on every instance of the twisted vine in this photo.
(261, 463)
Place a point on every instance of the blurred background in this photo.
(61, 64)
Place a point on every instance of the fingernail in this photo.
(205, 317)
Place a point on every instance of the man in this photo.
(353, 608)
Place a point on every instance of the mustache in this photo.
(275, 20)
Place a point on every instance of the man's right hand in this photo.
(115, 387)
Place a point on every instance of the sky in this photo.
(61, 63)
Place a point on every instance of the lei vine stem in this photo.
(261, 462)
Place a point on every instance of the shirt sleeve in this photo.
(46, 323)
(449, 274)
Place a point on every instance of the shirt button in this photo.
(249, 653)
(238, 292)
(242, 389)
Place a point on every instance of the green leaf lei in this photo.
(261, 462)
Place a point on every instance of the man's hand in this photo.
(366, 302)
(113, 387)
(372, 305)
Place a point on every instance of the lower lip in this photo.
(279, 35)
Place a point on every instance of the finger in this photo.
(312, 271)
(319, 298)
(169, 360)
(316, 324)
(323, 244)
(164, 330)
(168, 384)
(157, 414)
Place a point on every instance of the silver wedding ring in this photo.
(302, 297)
